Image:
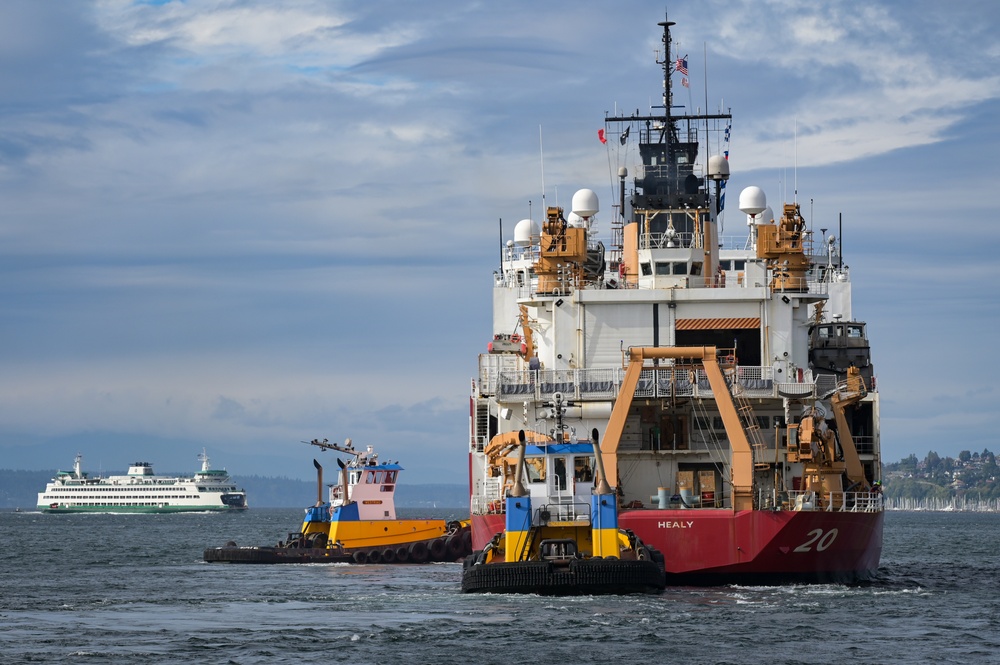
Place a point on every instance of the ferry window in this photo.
(535, 468)
(696, 268)
(646, 269)
(662, 268)
(854, 331)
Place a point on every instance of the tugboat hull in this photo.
(578, 577)
(453, 547)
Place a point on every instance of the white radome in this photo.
(526, 232)
(753, 201)
(585, 203)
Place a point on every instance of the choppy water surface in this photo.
(134, 589)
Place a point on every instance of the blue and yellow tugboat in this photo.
(561, 534)
(358, 522)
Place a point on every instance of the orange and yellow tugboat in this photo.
(358, 522)
(558, 544)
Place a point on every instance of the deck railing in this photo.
(500, 377)
(833, 502)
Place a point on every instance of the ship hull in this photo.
(756, 547)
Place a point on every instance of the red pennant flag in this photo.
(600, 135)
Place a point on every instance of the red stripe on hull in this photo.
(750, 547)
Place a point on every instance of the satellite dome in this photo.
(753, 201)
(525, 232)
(718, 167)
(766, 217)
(575, 221)
(585, 203)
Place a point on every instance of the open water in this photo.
(133, 589)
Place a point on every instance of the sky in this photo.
(239, 226)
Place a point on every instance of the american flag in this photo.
(682, 65)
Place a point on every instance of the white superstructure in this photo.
(141, 491)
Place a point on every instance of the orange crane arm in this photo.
(742, 461)
(849, 393)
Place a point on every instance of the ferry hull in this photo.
(710, 547)
(140, 509)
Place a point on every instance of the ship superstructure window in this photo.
(854, 331)
(646, 269)
(675, 268)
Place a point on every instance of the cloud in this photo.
(259, 222)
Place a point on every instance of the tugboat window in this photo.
(559, 470)
(582, 469)
(535, 468)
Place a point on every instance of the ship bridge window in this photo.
(824, 333)
(582, 469)
(646, 269)
(739, 264)
(369, 477)
(696, 268)
(854, 331)
(671, 268)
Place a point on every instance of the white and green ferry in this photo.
(141, 491)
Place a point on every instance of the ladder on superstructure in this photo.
(749, 421)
